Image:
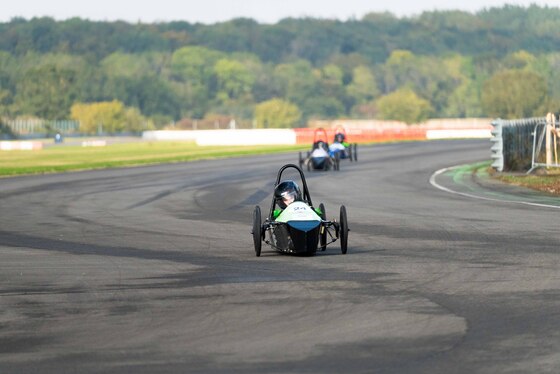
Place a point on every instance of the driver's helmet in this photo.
(286, 193)
(339, 138)
(321, 145)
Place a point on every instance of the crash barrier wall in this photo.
(20, 146)
(224, 123)
(436, 123)
(367, 131)
(514, 143)
(227, 137)
(354, 135)
(356, 131)
(458, 134)
(171, 135)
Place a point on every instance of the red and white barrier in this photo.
(227, 137)
(357, 131)
(459, 134)
(170, 135)
(246, 137)
(94, 143)
(20, 146)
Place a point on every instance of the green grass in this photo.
(549, 183)
(73, 158)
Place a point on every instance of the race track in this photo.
(152, 270)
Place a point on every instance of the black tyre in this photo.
(355, 152)
(323, 233)
(343, 231)
(300, 160)
(257, 235)
(337, 161)
(349, 152)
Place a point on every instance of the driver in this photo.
(286, 193)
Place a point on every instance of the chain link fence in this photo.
(526, 143)
(27, 127)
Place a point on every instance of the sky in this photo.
(212, 11)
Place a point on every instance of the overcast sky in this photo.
(212, 11)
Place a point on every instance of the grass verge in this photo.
(73, 158)
(547, 181)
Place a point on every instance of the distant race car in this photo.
(293, 225)
(319, 157)
(342, 148)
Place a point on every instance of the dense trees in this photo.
(499, 62)
(46, 91)
(276, 113)
(108, 117)
(514, 94)
(404, 105)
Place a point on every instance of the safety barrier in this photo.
(20, 146)
(356, 135)
(226, 137)
(356, 131)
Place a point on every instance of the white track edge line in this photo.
(440, 187)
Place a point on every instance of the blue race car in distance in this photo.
(341, 149)
(319, 158)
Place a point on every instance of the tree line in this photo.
(499, 62)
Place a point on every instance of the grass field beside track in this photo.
(547, 181)
(72, 158)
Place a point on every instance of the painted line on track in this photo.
(442, 188)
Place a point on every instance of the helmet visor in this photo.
(288, 197)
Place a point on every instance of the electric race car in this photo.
(293, 225)
(341, 149)
(319, 157)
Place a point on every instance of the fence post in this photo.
(549, 129)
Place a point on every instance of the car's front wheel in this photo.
(257, 235)
(343, 233)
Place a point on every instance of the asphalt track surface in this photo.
(152, 270)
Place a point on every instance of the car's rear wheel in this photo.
(343, 231)
(323, 232)
(300, 160)
(257, 235)
(355, 152)
(350, 153)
